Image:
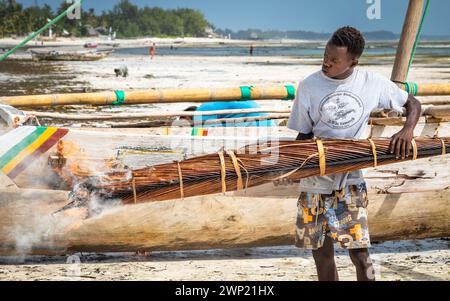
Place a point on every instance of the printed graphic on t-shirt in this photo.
(341, 110)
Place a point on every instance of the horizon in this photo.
(302, 15)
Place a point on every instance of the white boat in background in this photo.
(87, 54)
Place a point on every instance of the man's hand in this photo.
(401, 143)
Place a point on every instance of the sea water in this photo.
(310, 49)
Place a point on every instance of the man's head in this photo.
(342, 52)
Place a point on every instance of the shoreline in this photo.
(162, 42)
(183, 42)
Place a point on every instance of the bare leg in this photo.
(363, 264)
(324, 258)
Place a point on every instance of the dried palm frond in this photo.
(252, 166)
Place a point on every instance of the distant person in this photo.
(251, 50)
(234, 105)
(152, 51)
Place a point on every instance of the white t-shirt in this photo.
(331, 108)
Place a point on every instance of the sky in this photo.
(310, 15)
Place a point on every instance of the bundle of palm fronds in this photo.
(254, 165)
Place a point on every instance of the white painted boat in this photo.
(69, 55)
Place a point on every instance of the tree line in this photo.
(125, 18)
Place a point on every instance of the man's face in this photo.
(337, 62)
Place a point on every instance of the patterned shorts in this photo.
(341, 215)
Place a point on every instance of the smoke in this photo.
(99, 205)
(30, 220)
(31, 226)
(34, 226)
(39, 231)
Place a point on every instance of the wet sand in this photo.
(426, 260)
(28, 78)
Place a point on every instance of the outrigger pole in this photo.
(184, 96)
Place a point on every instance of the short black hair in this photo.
(351, 38)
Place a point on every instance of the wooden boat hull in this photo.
(199, 223)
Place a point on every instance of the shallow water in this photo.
(315, 49)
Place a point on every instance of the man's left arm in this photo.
(402, 141)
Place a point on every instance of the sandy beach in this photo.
(409, 260)
(425, 260)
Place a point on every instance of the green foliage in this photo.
(127, 19)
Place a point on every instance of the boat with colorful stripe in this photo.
(21, 147)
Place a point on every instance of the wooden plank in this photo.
(442, 111)
(423, 175)
(434, 101)
(148, 115)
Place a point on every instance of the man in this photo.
(336, 102)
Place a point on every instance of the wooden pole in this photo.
(433, 89)
(407, 40)
(436, 111)
(148, 97)
(436, 102)
(174, 96)
(148, 115)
